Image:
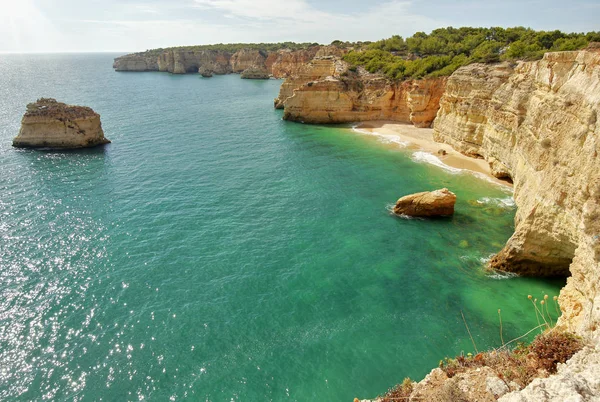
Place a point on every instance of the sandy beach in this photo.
(422, 139)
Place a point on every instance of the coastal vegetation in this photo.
(444, 50)
(234, 47)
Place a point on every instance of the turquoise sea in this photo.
(215, 252)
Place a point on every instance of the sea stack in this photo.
(51, 124)
(428, 203)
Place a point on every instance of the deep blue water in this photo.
(215, 252)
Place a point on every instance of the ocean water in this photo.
(215, 252)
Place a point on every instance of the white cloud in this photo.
(275, 20)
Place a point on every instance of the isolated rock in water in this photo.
(428, 203)
(52, 124)
(205, 72)
(254, 73)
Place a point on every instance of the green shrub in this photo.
(444, 50)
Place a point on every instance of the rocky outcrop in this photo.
(254, 73)
(538, 123)
(248, 58)
(576, 380)
(179, 61)
(136, 62)
(52, 124)
(315, 70)
(279, 64)
(286, 63)
(327, 91)
(428, 203)
(205, 72)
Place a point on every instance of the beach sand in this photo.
(422, 139)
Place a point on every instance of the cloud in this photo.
(276, 20)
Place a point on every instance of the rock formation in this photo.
(327, 91)
(180, 61)
(428, 203)
(255, 73)
(248, 58)
(538, 123)
(279, 64)
(52, 124)
(205, 72)
(136, 62)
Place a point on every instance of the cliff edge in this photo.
(52, 124)
(328, 90)
(537, 123)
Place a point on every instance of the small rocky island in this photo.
(428, 203)
(48, 123)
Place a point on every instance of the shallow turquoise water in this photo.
(216, 252)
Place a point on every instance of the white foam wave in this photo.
(426, 157)
(390, 209)
(507, 202)
(501, 275)
(485, 260)
(384, 138)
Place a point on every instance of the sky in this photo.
(30, 26)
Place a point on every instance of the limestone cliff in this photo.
(179, 61)
(326, 91)
(248, 58)
(52, 124)
(136, 62)
(537, 122)
(254, 73)
(279, 64)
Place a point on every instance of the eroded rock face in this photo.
(248, 58)
(428, 203)
(192, 61)
(136, 62)
(279, 64)
(315, 70)
(576, 380)
(255, 73)
(326, 91)
(538, 123)
(52, 124)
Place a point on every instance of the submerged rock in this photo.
(52, 124)
(428, 203)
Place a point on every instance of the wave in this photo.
(426, 157)
(384, 138)
(507, 202)
(501, 275)
(390, 209)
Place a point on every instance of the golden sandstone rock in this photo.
(52, 124)
(538, 123)
(326, 90)
(428, 203)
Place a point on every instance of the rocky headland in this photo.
(329, 90)
(276, 63)
(51, 124)
(536, 123)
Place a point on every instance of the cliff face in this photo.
(48, 123)
(248, 59)
(538, 124)
(325, 91)
(136, 62)
(188, 61)
(279, 64)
